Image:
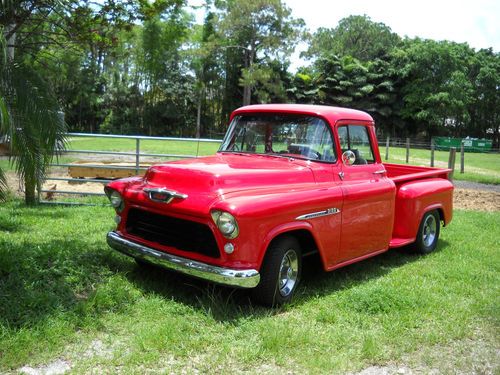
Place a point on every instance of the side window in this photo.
(356, 139)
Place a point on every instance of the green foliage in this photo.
(437, 89)
(348, 82)
(264, 31)
(356, 36)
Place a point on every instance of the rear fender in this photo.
(415, 198)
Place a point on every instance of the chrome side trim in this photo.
(247, 278)
(312, 215)
(166, 195)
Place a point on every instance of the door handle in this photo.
(379, 172)
(341, 175)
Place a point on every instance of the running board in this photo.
(399, 242)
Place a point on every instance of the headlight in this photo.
(226, 224)
(115, 198)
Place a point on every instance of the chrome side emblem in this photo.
(312, 215)
(163, 195)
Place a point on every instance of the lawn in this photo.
(192, 148)
(478, 167)
(65, 295)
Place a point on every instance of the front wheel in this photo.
(428, 233)
(280, 272)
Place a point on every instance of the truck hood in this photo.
(226, 173)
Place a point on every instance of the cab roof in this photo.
(332, 114)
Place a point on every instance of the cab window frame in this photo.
(366, 127)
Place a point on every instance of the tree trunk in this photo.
(247, 90)
(198, 113)
(247, 95)
(10, 42)
(30, 190)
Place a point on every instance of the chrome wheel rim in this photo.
(429, 230)
(289, 270)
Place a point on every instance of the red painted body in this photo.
(267, 194)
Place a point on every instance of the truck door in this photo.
(368, 209)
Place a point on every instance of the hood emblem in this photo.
(163, 195)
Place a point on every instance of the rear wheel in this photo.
(428, 233)
(280, 272)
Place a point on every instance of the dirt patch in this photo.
(475, 355)
(55, 368)
(476, 200)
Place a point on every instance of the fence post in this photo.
(387, 148)
(462, 158)
(451, 162)
(407, 150)
(137, 154)
(433, 147)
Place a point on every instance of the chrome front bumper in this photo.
(248, 278)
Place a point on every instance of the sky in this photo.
(476, 22)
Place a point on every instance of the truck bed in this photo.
(400, 173)
(418, 188)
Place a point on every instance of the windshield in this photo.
(303, 137)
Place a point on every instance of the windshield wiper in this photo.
(238, 152)
(276, 155)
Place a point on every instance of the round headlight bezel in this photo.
(116, 199)
(226, 223)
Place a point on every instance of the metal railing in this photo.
(135, 163)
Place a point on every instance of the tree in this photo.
(30, 118)
(263, 30)
(346, 81)
(484, 107)
(356, 36)
(436, 91)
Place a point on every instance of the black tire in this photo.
(428, 233)
(283, 258)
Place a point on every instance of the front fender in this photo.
(283, 229)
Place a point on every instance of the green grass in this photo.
(146, 146)
(62, 288)
(478, 167)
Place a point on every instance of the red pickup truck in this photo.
(287, 181)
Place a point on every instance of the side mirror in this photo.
(348, 157)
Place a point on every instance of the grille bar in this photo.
(169, 231)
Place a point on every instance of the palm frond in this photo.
(30, 117)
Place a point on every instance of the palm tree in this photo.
(30, 118)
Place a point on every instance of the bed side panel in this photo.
(415, 198)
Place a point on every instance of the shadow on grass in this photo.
(230, 305)
(41, 276)
(41, 280)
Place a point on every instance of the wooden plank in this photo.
(81, 170)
